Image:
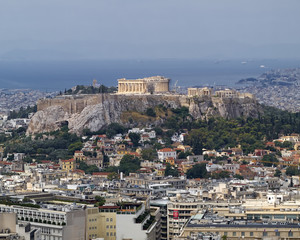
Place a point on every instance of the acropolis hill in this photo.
(95, 111)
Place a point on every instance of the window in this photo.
(290, 233)
(111, 219)
(251, 234)
(243, 233)
(265, 234)
(234, 234)
(107, 226)
(107, 219)
(107, 234)
(277, 233)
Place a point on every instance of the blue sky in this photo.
(140, 29)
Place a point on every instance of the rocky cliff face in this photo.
(105, 109)
(224, 107)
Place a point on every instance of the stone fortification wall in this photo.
(71, 103)
(97, 111)
(75, 104)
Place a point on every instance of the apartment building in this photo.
(54, 222)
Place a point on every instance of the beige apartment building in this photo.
(246, 231)
(101, 223)
(252, 219)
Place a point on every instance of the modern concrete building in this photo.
(101, 223)
(135, 222)
(163, 205)
(54, 222)
(10, 229)
(242, 230)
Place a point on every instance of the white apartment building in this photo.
(166, 153)
(55, 222)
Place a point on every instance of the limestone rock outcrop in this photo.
(97, 111)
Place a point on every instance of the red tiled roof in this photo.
(166, 150)
(78, 171)
(5, 163)
(69, 160)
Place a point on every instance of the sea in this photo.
(52, 76)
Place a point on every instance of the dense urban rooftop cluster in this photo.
(14, 99)
(277, 88)
(118, 182)
(282, 97)
(183, 178)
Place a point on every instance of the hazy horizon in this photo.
(140, 29)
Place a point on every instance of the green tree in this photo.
(135, 138)
(184, 155)
(150, 112)
(113, 176)
(238, 176)
(88, 169)
(100, 201)
(113, 129)
(75, 146)
(148, 154)
(220, 175)
(171, 171)
(197, 171)
(292, 171)
(269, 160)
(158, 131)
(277, 173)
(129, 164)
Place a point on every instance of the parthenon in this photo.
(156, 84)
